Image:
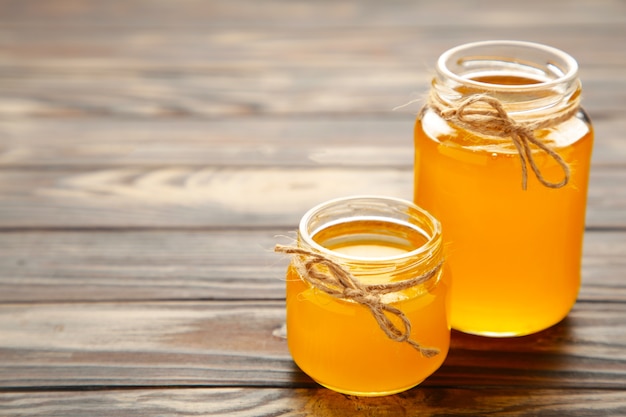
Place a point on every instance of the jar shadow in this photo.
(540, 359)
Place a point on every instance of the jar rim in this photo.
(562, 66)
(433, 236)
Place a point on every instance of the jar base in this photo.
(369, 393)
(495, 334)
(505, 334)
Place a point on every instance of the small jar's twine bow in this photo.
(493, 120)
(340, 283)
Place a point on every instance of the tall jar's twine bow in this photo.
(493, 120)
(340, 283)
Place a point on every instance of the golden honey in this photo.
(337, 341)
(515, 253)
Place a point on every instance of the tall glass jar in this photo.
(367, 307)
(502, 155)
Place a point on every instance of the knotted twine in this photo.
(340, 283)
(492, 119)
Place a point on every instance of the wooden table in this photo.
(153, 152)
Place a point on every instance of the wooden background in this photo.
(153, 152)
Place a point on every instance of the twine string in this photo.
(493, 120)
(340, 283)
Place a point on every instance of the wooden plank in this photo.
(238, 92)
(84, 49)
(198, 13)
(69, 69)
(178, 196)
(239, 402)
(42, 266)
(171, 69)
(164, 344)
(604, 266)
(228, 88)
(222, 197)
(251, 142)
(360, 141)
(141, 265)
(232, 343)
(216, 95)
(157, 51)
(145, 146)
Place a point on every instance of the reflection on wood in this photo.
(319, 402)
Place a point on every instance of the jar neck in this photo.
(391, 221)
(531, 81)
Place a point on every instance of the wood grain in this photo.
(142, 265)
(60, 62)
(257, 142)
(198, 13)
(272, 402)
(136, 265)
(226, 93)
(349, 141)
(180, 196)
(150, 152)
(232, 343)
(221, 197)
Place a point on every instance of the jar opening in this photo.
(481, 64)
(369, 229)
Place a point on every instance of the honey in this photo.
(515, 253)
(337, 341)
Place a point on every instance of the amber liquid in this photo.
(515, 255)
(340, 345)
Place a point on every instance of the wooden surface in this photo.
(153, 152)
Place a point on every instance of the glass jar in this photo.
(379, 324)
(502, 155)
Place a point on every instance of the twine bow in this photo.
(340, 283)
(493, 120)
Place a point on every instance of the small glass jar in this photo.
(502, 157)
(337, 336)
